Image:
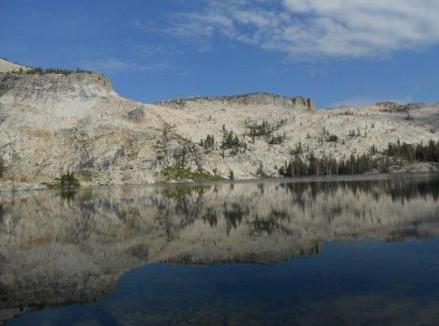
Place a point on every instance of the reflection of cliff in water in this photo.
(54, 250)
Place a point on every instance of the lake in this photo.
(278, 252)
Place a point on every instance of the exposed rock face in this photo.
(252, 99)
(396, 107)
(80, 86)
(6, 66)
(137, 114)
(51, 123)
(48, 257)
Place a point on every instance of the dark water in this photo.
(274, 253)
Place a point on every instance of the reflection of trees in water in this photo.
(139, 251)
(261, 188)
(333, 212)
(260, 227)
(298, 190)
(208, 224)
(68, 193)
(210, 217)
(84, 225)
(271, 223)
(234, 213)
(398, 189)
(180, 198)
(179, 206)
(189, 208)
(410, 231)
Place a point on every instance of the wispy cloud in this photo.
(315, 28)
(116, 65)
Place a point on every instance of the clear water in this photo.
(272, 253)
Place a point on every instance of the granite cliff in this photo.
(57, 121)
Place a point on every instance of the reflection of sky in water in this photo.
(323, 266)
(368, 282)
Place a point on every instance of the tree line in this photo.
(395, 154)
(45, 71)
(313, 166)
(414, 152)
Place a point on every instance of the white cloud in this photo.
(316, 28)
(115, 65)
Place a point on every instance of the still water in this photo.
(272, 253)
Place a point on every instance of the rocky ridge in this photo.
(251, 99)
(52, 122)
(7, 66)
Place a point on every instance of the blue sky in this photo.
(342, 51)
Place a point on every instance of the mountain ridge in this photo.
(253, 98)
(8, 66)
(53, 121)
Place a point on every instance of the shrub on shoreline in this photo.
(68, 181)
(181, 172)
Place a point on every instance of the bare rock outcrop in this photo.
(251, 99)
(396, 107)
(7, 66)
(54, 121)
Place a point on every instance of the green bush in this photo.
(260, 129)
(260, 173)
(297, 150)
(68, 181)
(266, 130)
(180, 172)
(333, 138)
(208, 144)
(353, 133)
(231, 141)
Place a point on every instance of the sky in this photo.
(336, 52)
